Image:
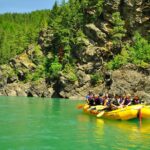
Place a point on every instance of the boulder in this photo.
(22, 62)
(83, 78)
(95, 34)
(40, 89)
(7, 75)
(10, 92)
(15, 89)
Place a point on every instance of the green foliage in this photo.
(65, 20)
(36, 75)
(116, 62)
(96, 78)
(140, 51)
(94, 6)
(39, 73)
(17, 31)
(69, 73)
(38, 57)
(7, 71)
(137, 53)
(55, 68)
(118, 31)
(119, 60)
(68, 22)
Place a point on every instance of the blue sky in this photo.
(25, 5)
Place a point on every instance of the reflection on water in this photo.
(124, 135)
(36, 123)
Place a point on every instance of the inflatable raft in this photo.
(126, 113)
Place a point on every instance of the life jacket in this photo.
(127, 101)
(90, 99)
(117, 102)
(98, 101)
(108, 102)
(136, 101)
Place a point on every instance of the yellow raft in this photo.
(126, 113)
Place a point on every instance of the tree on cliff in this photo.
(118, 30)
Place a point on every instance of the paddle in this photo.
(100, 114)
(97, 107)
(80, 106)
(101, 111)
(100, 107)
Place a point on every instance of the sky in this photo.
(21, 6)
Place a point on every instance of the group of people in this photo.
(112, 101)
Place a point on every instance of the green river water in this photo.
(56, 124)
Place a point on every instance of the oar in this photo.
(100, 114)
(100, 107)
(98, 110)
(92, 108)
(80, 106)
(101, 111)
(97, 107)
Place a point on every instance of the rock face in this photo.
(130, 81)
(97, 49)
(13, 76)
(95, 34)
(134, 12)
(40, 89)
(14, 89)
(137, 12)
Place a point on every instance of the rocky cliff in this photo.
(98, 48)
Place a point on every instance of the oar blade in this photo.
(100, 114)
(80, 106)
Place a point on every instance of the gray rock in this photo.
(83, 77)
(130, 81)
(95, 33)
(40, 89)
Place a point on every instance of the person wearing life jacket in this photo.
(107, 101)
(127, 100)
(117, 102)
(90, 98)
(136, 100)
(99, 99)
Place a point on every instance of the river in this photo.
(56, 124)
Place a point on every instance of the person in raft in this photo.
(107, 100)
(136, 100)
(99, 99)
(127, 100)
(117, 102)
(90, 98)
